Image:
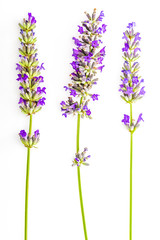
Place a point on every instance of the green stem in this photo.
(27, 183)
(79, 182)
(131, 157)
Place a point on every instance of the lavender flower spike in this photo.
(88, 60)
(131, 90)
(31, 94)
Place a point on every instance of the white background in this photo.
(54, 209)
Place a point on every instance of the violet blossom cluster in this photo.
(29, 141)
(29, 77)
(131, 87)
(88, 60)
(81, 158)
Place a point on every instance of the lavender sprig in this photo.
(31, 94)
(131, 90)
(80, 158)
(88, 60)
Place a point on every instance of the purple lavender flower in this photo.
(31, 18)
(100, 60)
(129, 91)
(94, 97)
(64, 114)
(41, 102)
(41, 90)
(88, 112)
(142, 92)
(73, 92)
(23, 133)
(75, 53)
(95, 43)
(131, 25)
(36, 133)
(80, 30)
(77, 42)
(102, 52)
(140, 118)
(21, 100)
(126, 119)
(100, 68)
(18, 67)
(88, 59)
(85, 107)
(104, 28)
(99, 30)
(135, 80)
(101, 16)
(125, 49)
(62, 103)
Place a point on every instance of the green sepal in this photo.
(35, 64)
(35, 74)
(22, 109)
(36, 99)
(24, 141)
(21, 26)
(22, 64)
(86, 164)
(24, 26)
(24, 97)
(20, 39)
(23, 53)
(125, 58)
(35, 85)
(32, 26)
(35, 111)
(28, 25)
(34, 40)
(124, 99)
(33, 51)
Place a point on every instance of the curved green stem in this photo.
(27, 184)
(79, 181)
(131, 157)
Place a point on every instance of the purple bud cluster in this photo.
(131, 83)
(132, 126)
(29, 141)
(29, 76)
(81, 158)
(131, 88)
(88, 59)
